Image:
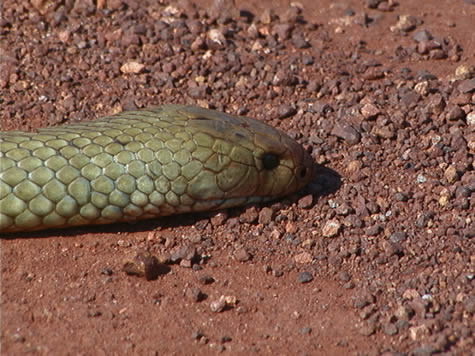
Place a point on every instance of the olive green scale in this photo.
(142, 164)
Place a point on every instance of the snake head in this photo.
(243, 158)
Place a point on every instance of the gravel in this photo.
(383, 96)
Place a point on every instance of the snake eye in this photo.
(270, 161)
(303, 172)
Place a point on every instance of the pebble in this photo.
(398, 237)
(266, 215)
(305, 202)
(467, 86)
(223, 303)
(305, 277)
(286, 110)
(194, 294)
(347, 133)
(242, 255)
(331, 228)
(303, 258)
(143, 264)
(132, 67)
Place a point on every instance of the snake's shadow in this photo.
(325, 181)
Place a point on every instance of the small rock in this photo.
(305, 202)
(422, 36)
(418, 332)
(242, 255)
(299, 41)
(465, 71)
(283, 31)
(143, 264)
(368, 329)
(363, 299)
(467, 86)
(390, 329)
(410, 294)
(455, 113)
(347, 133)
(305, 277)
(404, 312)
(303, 258)
(194, 294)
(286, 110)
(250, 215)
(471, 118)
(398, 237)
(370, 111)
(373, 230)
(222, 303)
(215, 39)
(206, 279)
(344, 276)
(266, 215)
(451, 174)
(306, 331)
(132, 67)
(331, 228)
(406, 23)
(219, 219)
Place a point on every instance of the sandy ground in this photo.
(374, 257)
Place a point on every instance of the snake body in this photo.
(143, 164)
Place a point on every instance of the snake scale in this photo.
(143, 164)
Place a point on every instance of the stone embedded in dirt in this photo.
(373, 230)
(368, 328)
(406, 23)
(455, 113)
(344, 276)
(451, 174)
(347, 133)
(467, 86)
(223, 303)
(242, 255)
(305, 202)
(286, 110)
(143, 264)
(219, 218)
(299, 42)
(206, 279)
(390, 329)
(422, 36)
(471, 118)
(398, 237)
(215, 39)
(306, 330)
(331, 228)
(194, 294)
(132, 67)
(187, 252)
(250, 215)
(303, 258)
(266, 215)
(418, 332)
(305, 277)
(465, 71)
(370, 111)
(362, 299)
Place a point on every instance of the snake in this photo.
(144, 164)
